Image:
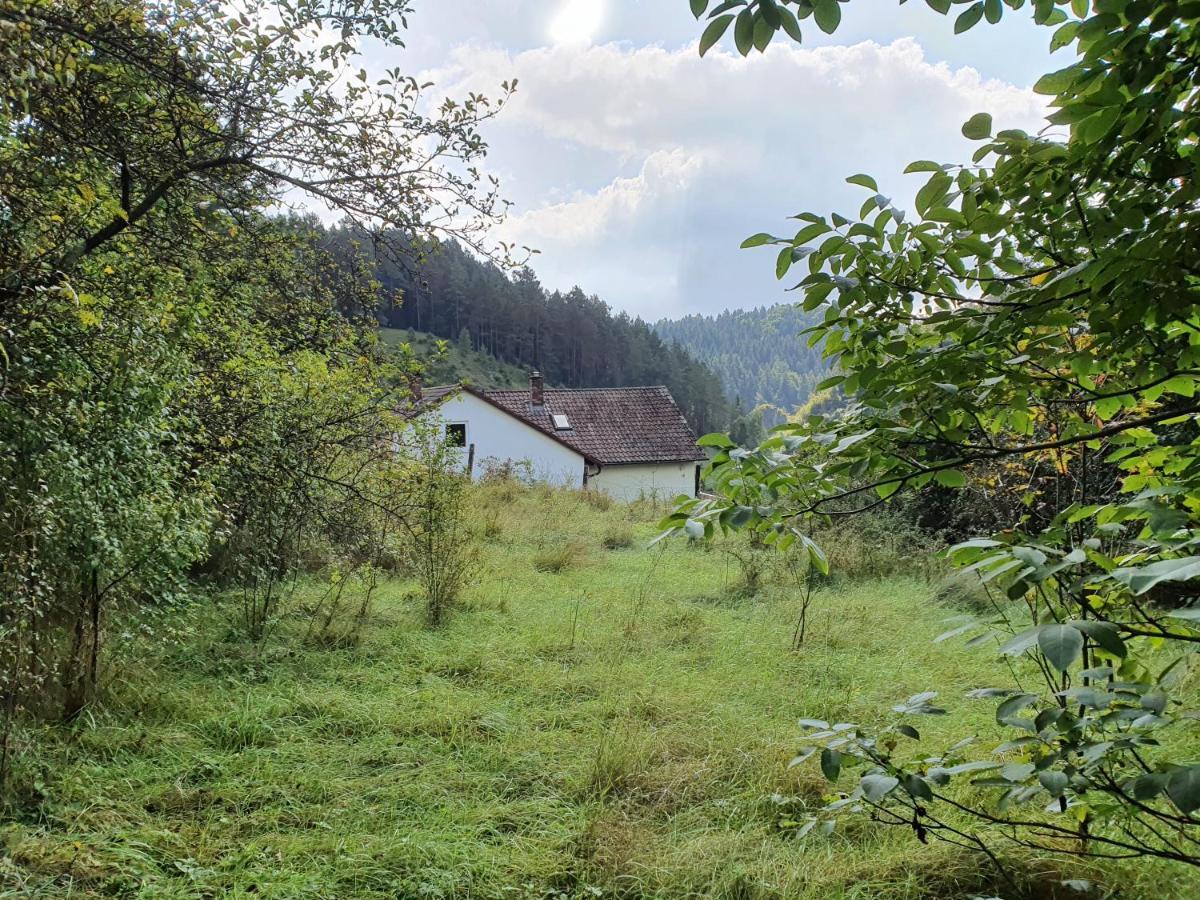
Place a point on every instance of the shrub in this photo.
(618, 536)
(754, 563)
(437, 542)
(559, 557)
(880, 545)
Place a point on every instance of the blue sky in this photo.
(636, 168)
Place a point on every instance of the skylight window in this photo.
(561, 422)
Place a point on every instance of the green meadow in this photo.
(601, 717)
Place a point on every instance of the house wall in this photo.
(498, 436)
(661, 480)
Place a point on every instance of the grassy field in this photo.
(619, 727)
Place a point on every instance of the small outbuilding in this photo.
(628, 442)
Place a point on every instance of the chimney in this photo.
(414, 387)
(537, 394)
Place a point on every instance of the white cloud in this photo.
(670, 160)
(577, 21)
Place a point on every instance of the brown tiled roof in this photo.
(610, 426)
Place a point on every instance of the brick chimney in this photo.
(537, 393)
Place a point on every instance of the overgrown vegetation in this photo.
(191, 391)
(604, 731)
(1029, 337)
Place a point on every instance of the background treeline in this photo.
(573, 338)
(760, 354)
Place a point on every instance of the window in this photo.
(456, 434)
(561, 422)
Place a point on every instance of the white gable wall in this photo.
(663, 481)
(499, 436)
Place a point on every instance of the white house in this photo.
(628, 442)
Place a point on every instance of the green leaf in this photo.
(933, 191)
(770, 13)
(1183, 787)
(783, 262)
(1064, 36)
(1105, 635)
(1061, 645)
(716, 28)
(716, 439)
(808, 232)
(876, 786)
(1056, 82)
(743, 32)
(791, 24)
(886, 490)
(698, 7)
(1012, 706)
(942, 6)
(1018, 644)
(978, 127)
(758, 240)
(1140, 580)
(1054, 782)
(831, 764)
(828, 14)
(969, 19)
(918, 787)
(951, 478)
(1150, 785)
(864, 181)
(763, 32)
(994, 10)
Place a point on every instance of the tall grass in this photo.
(601, 731)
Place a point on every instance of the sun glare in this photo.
(576, 21)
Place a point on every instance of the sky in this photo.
(637, 168)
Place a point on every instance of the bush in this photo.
(618, 536)
(558, 558)
(885, 543)
(754, 562)
(437, 542)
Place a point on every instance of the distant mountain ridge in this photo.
(760, 354)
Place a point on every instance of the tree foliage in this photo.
(189, 382)
(1037, 307)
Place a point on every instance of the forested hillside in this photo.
(760, 355)
(452, 362)
(573, 338)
